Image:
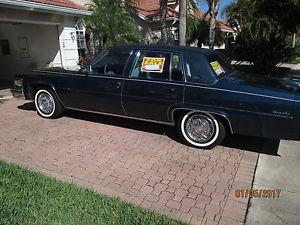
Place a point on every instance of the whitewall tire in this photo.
(47, 104)
(201, 130)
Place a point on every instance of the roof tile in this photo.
(151, 8)
(61, 3)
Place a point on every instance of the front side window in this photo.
(111, 63)
(152, 66)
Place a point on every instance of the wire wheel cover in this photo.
(45, 103)
(200, 128)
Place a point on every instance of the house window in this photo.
(80, 40)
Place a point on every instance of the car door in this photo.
(100, 89)
(155, 83)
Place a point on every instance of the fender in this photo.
(42, 83)
(200, 108)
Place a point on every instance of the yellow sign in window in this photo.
(151, 64)
(217, 68)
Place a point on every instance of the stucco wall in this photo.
(43, 48)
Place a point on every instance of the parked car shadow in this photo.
(254, 144)
(29, 106)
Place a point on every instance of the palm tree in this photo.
(182, 22)
(213, 9)
(164, 31)
(198, 30)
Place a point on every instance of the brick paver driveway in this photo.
(141, 163)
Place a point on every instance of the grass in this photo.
(31, 198)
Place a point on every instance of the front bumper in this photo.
(17, 92)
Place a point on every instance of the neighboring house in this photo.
(38, 34)
(147, 13)
(228, 32)
(148, 16)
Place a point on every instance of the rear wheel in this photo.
(201, 130)
(47, 104)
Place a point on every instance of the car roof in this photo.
(174, 48)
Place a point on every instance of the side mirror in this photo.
(87, 69)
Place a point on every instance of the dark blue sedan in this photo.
(194, 89)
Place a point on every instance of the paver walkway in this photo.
(142, 163)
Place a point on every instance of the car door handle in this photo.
(172, 89)
(119, 83)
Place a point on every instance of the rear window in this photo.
(220, 65)
(206, 69)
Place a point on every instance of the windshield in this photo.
(220, 65)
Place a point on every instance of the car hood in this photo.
(258, 84)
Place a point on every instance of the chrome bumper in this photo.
(17, 92)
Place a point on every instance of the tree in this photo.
(182, 22)
(198, 30)
(263, 33)
(111, 21)
(213, 9)
(164, 30)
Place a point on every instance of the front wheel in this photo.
(201, 130)
(47, 104)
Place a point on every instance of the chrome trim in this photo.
(104, 77)
(61, 73)
(121, 116)
(173, 83)
(18, 93)
(118, 78)
(154, 81)
(203, 111)
(241, 92)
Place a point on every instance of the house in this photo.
(40, 33)
(148, 16)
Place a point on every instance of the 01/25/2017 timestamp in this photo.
(257, 193)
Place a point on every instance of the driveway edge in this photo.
(235, 209)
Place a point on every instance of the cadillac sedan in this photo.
(192, 89)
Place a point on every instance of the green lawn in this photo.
(31, 198)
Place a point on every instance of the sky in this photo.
(223, 4)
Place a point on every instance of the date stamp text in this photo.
(257, 193)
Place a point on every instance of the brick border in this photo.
(235, 209)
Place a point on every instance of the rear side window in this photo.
(152, 66)
(198, 69)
